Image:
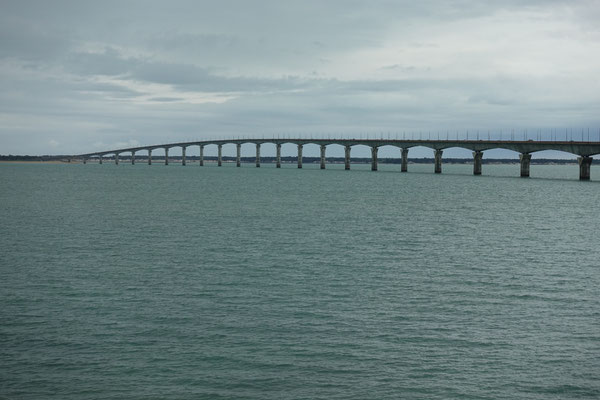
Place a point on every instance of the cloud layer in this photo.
(76, 76)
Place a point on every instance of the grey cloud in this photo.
(184, 76)
(84, 72)
(165, 99)
(399, 67)
(491, 99)
(26, 40)
(200, 42)
(105, 89)
(109, 62)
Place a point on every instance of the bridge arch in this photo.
(335, 149)
(365, 147)
(389, 151)
(556, 153)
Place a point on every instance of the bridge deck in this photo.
(580, 148)
(583, 149)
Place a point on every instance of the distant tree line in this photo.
(292, 159)
(11, 157)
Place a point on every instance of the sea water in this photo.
(263, 283)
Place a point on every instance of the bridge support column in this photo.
(347, 158)
(300, 156)
(220, 155)
(166, 156)
(438, 161)
(133, 158)
(374, 151)
(201, 155)
(183, 155)
(257, 155)
(117, 158)
(525, 163)
(278, 150)
(404, 165)
(585, 162)
(149, 157)
(477, 156)
(322, 156)
(84, 160)
(238, 157)
(100, 159)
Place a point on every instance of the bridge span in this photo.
(584, 150)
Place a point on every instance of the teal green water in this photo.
(258, 283)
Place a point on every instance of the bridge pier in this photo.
(477, 156)
(583, 149)
(525, 163)
(438, 161)
(278, 150)
(374, 151)
(219, 157)
(347, 158)
(585, 163)
(238, 155)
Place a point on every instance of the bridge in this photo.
(584, 150)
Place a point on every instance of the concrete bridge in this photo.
(526, 147)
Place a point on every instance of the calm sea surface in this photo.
(258, 283)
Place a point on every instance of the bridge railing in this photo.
(584, 149)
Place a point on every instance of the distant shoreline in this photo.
(271, 160)
(37, 162)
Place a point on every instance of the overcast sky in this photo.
(81, 76)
